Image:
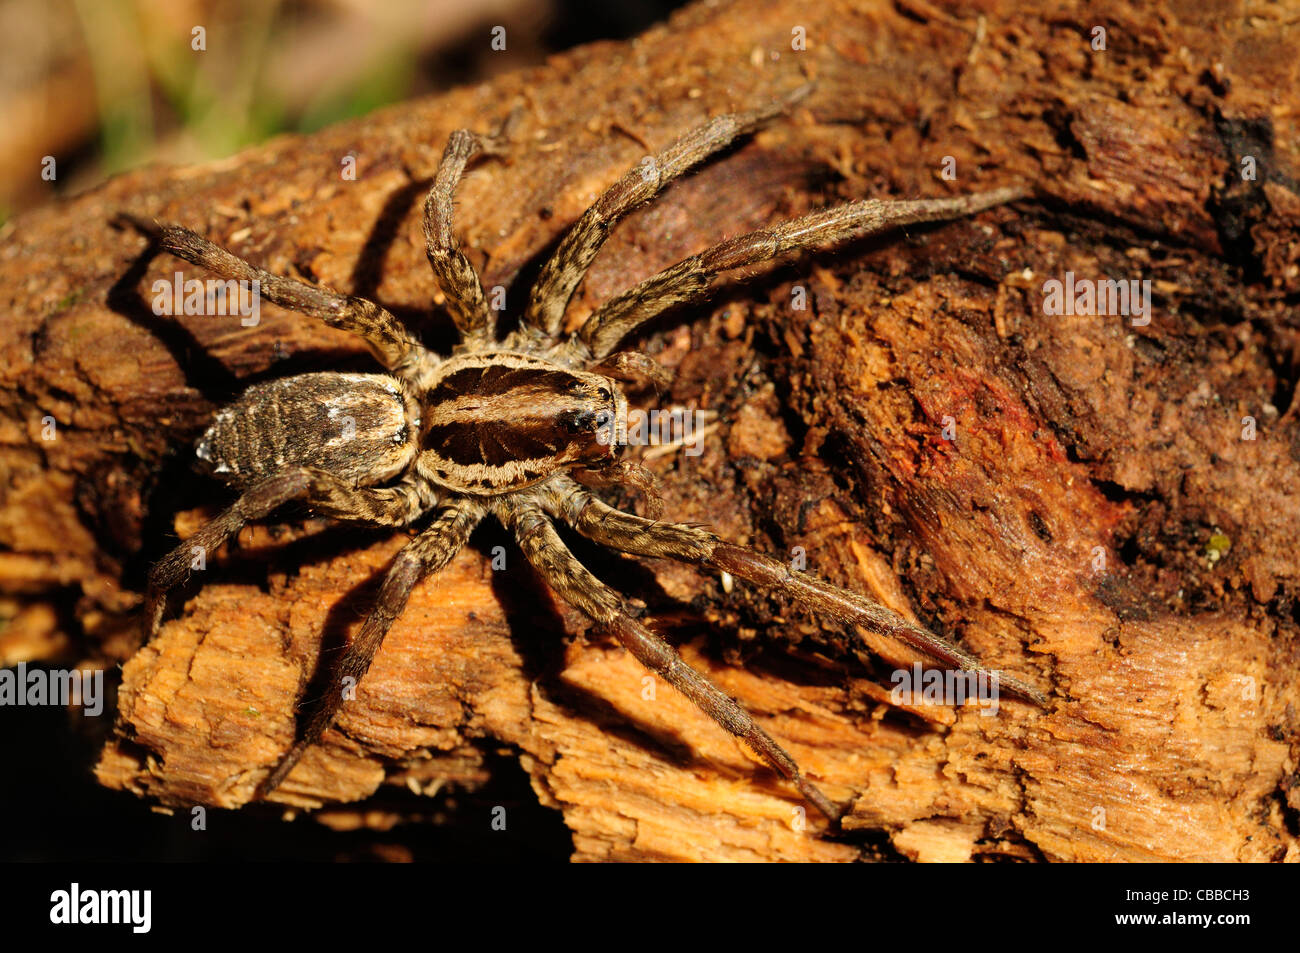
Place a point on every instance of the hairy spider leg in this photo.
(561, 275)
(611, 527)
(574, 583)
(393, 346)
(689, 279)
(455, 275)
(427, 553)
(392, 506)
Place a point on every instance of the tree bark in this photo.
(1105, 506)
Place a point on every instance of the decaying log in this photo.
(1107, 507)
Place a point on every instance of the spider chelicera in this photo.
(503, 425)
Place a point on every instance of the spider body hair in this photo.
(363, 428)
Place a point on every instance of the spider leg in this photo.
(566, 268)
(393, 506)
(632, 534)
(426, 553)
(455, 275)
(690, 278)
(393, 346)
(572, 581)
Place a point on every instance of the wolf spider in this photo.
(502, 427)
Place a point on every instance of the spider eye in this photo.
(604, 394)
(578, 422)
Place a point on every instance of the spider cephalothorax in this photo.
(503, 427)
(501, 421)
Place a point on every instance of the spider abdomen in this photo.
(501, 421)
(359, 427)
